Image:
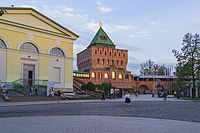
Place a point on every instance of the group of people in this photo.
(51, 92)
(127, 97)
(31, 90)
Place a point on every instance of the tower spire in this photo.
(100, 23)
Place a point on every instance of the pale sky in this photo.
(148, 29)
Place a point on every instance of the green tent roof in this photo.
(101, 38)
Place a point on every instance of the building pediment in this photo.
(32, 19)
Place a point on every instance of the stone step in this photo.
(28, 98)
(1, 99)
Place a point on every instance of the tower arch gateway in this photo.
(143, 89)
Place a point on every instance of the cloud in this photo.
(29, 6)
(134, 66)
(159, 26)
(93, 26)
(129, 47)
(102, 8)
(141, 34)
(115, 28)
(150, 28)
(156, 23)
(196, 21)
(62, 11)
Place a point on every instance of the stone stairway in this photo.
(28, 98)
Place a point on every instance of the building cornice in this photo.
(15, 24)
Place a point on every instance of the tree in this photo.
(188, 64)
(149, 68)
(91, 86)
(99, 87)
(106, 87)
(161, 70)
(182, 81)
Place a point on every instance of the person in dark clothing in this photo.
(59, 93)
(165, 95)
(103, 96)
(127, 98)
(36, 91)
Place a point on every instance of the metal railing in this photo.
(21, 87)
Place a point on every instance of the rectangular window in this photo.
(56, 73)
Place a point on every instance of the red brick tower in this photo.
(104, 62)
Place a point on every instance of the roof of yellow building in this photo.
(52, 26)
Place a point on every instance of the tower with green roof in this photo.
(102, 39)
(101, 54)
(104, 62)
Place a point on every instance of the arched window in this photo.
(102, 61)
(107, 62)
(120, 76)
(113, 75)
(127, 76)
(57, 52)
(100, 75)
(113, 62)
(106, 75)
(97, 61)
(27, 46)
(2, 44)
(121, 63)
(93, 75)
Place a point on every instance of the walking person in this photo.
(165, 95)
(50, 93)
(59, 95)
(36, 91)
(136, 94)
(4, 90)
(30, 90)
(103, 95)
(127, 98)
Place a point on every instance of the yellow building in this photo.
(33, 47)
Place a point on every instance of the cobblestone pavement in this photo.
(94, 124)
(174, 110)
(95, 116)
